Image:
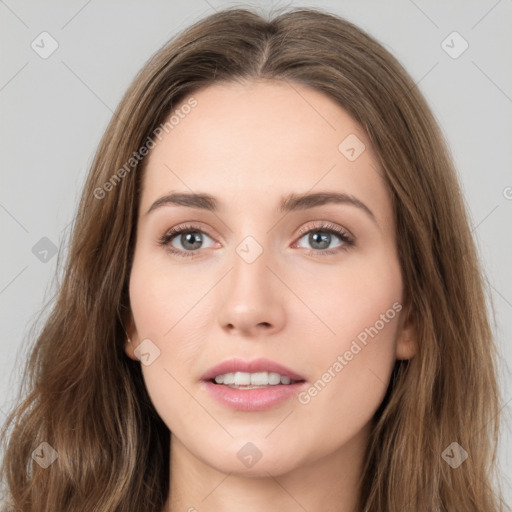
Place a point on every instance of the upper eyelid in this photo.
(345, 236)
(327, 226)
(305, 229)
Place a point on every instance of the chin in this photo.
(253, 459)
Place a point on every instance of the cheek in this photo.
(332, 324)
(161, 297)
(353, 359)
(162, 315)
(168, 310)
(350, 298)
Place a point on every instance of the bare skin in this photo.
(249, 146)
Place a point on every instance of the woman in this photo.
(272, 299)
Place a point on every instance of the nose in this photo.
(252, 298)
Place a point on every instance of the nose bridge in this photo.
(250, 267)
(251, 297)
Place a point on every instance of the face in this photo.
(311, 284)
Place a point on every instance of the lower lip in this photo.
(259, 399)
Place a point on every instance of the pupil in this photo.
(189, 238)
(323, 239)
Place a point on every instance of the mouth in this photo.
(258, 373)
(252, 386)
(255, 380)
(253, 398)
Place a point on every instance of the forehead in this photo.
(261, 141)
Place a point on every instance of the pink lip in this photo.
(257, 365)
(248, 400)
(257, 399)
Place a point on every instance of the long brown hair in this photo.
(87, 399)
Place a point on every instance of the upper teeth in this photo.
(255, 379)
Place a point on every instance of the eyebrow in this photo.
(289, 203)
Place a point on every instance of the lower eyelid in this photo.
(170, 238)
(345, 239)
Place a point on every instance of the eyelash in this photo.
(324, 227)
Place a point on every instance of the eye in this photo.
(320, 238)
(190, 238)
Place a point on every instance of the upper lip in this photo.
(256, 365)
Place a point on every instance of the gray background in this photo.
(54, 111)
